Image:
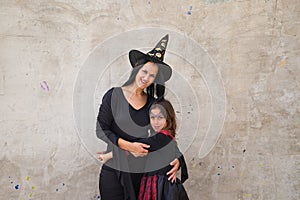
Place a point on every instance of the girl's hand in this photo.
(139, 154)
(175, 163)
(104, 157)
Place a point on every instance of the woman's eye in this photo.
(160, 117)
(144, 71)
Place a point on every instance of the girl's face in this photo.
(157, 120)
(146, 75)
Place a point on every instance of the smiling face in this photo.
(157, 119)
(146, 75)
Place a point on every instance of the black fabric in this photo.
(109, 185)
(157, 141)
(184, 171)
(118, 119)
(170, 191)
(136, 181)
(166, 151)
(163, 151)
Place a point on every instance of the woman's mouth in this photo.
(143, 82)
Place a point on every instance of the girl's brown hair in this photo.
(168, 112)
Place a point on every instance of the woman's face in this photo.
(157, 119)
(146, 75)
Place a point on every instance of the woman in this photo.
(123, 118)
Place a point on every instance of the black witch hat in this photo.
(156, 56)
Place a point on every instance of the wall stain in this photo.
(60, 187)
(190, 10)
(17, 187)
(44, 85)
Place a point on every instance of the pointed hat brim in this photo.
(138, 58)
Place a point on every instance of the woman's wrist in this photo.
(125, 145)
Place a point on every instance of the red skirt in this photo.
(148, 188)
(158, 187)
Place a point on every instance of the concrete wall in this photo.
(235, 89)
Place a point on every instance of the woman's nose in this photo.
(146, 77)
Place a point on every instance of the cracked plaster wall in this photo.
(254, 45)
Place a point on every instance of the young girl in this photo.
(155, 184)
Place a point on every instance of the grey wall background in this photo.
(253, 45)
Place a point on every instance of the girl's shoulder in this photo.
(167, 133)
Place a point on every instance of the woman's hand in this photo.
(172, 173)
(138, 149)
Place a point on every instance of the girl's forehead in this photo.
(156, 110)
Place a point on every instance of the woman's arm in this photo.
(172, 173)
(178, 163)
(103, 129)
(105, 119)
(135, 148)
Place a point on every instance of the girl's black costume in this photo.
(155, 184)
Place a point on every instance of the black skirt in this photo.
(118, 185)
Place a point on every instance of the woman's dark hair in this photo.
(160, 91)
(133, 74)
(157, 88)
(168, 112)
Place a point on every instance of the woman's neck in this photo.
(134, 90)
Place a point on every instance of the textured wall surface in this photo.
(235, 89)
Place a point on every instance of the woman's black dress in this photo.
(118, 119)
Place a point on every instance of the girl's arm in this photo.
(104, 157)
(156, 141)
(160, 140)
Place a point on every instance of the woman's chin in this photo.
(142, 86)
